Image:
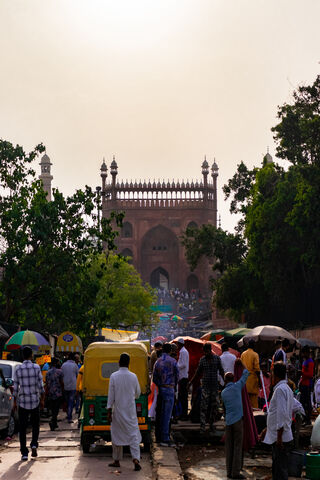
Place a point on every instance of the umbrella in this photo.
(213, 334)
(231, 337)
(195, 349)
(265, 336)
(163, 317)
(306, 342)
(237, 332)
(69, 342)
(158, 339)
(27, 338)
(176, 318)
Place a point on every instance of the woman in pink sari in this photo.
(250, 432)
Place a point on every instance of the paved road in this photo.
(60, 458)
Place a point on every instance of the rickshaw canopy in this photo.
(101, 359)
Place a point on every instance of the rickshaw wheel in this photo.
(146, 443)
(85, 444)
(146, 447)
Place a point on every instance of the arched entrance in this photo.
(192, 225)
(160, 255)
(159, 278)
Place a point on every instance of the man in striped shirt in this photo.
(28, 393)
(208, 368)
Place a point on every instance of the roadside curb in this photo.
(165, 462)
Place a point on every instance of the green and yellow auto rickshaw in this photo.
(101, 359)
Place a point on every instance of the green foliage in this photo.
(45, 248)
(278, 280)
(122, 299)
(221, 248)
(298, 133)
(239, 186)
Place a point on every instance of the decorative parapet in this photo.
(160, 194)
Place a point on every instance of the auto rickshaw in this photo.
(101, 359)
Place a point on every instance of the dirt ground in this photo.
(208, 461)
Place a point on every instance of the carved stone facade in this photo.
(156, 215)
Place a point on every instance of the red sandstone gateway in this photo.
(156, 215)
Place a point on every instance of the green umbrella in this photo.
(237, 332)
(231, 337)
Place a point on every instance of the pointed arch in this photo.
(192, 224)
(159, 278)
(127, 230)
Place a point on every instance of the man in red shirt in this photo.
(306, 383)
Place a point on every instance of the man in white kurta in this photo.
(124, 389)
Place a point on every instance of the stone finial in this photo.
(214, 169)
(205, 166)
(104, 168)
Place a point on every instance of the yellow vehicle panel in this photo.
(102, 358)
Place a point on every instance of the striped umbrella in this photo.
(27, 338)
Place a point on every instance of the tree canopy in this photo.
(278, 277)
(122, 299)
(221, 248)
(48, 249)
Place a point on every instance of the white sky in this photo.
(158, 83)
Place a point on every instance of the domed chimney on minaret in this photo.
(214, 175)
(114, 171)
(45, 175)
(103, 174)
(205, 171)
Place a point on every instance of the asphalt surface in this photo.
(60, 458)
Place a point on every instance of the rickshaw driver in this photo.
(124, 388)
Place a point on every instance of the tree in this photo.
(278, 279)
(221, 248)
(121, 299)
(298, 132)
(45, 247)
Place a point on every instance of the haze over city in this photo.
(158, 84)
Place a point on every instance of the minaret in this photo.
(268, 158)
(214, 175)
(205, 172)
(114, 173)
(46, 176)
(103, 174)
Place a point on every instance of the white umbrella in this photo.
(267, 333)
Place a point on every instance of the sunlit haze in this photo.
(158, 84)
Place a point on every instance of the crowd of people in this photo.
(241, 386)
(183, 302)
(226, 386)
(63, 383)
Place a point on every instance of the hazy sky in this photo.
(158, 83)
